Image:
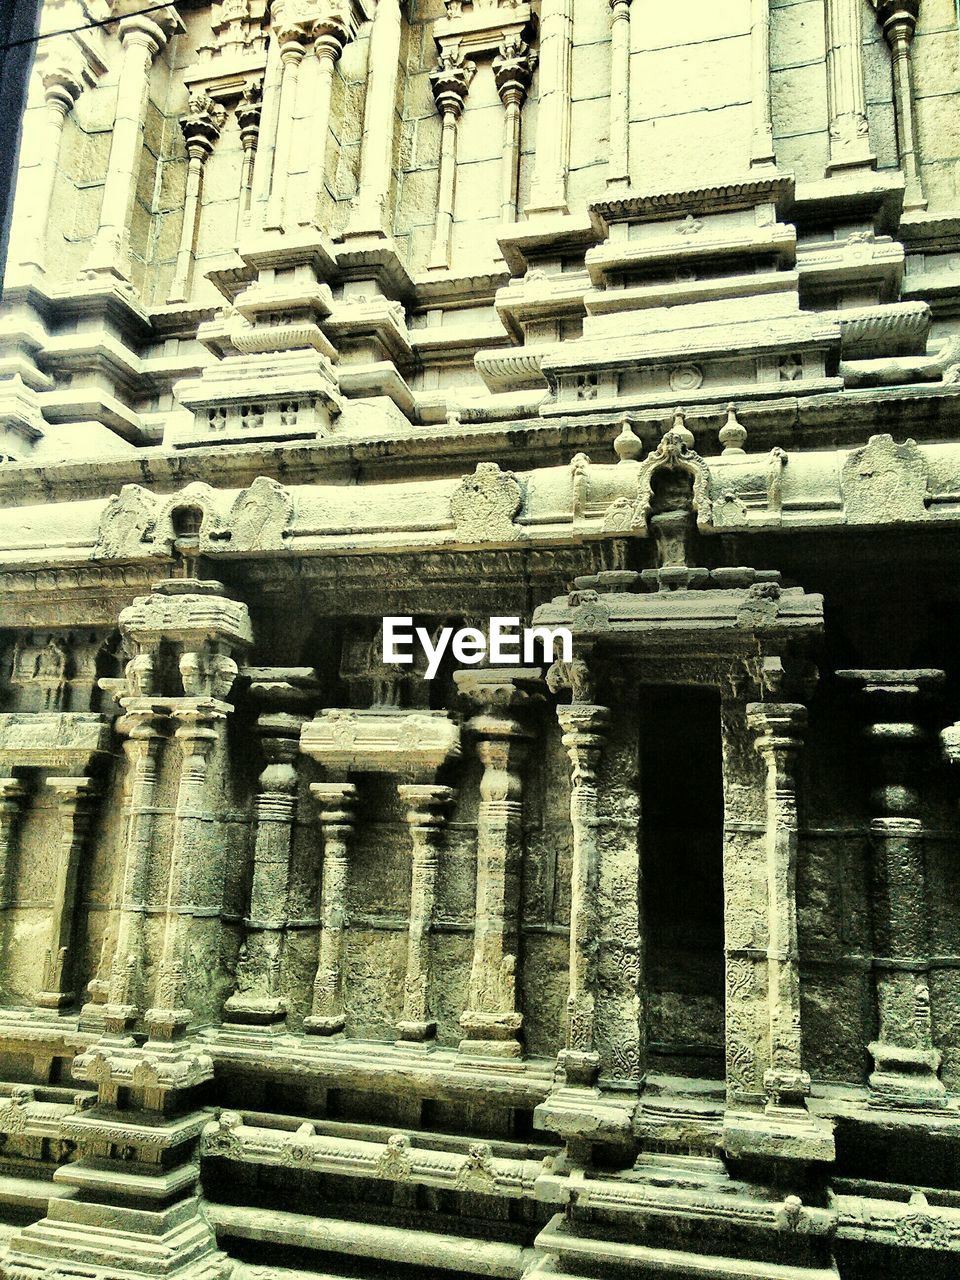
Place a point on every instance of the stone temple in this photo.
(637, 319)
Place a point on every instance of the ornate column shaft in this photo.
(327, 47)
(248, 121)
(849, 134)
(618, 164)
(761, 145)
(584, 728)
(144, 733)
(512, 70)
(369, 213)
(450, 80)
(425, 805)
(142, 38)
(778, 727)
(898, 18)
(201, 721)
(73, 799)
(292, 50)
(905, 1060)
(12, 796)
(549, 189)
(492, 1020)
(61, 89)
(337, 801)
(259, 999)
(201, 128)
(267, 133)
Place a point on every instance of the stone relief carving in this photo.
(885, 482)
(485, 505)
(137, 522)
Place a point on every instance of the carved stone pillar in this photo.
(144, 731)
(778, 727)
(450, 80)
(200, 722)
(898, 18)
(201, 128)
(73, 799)
(369, 212)
(141, 38)
(12, 796)
(618, 164)
(337, 801)
(584, 729)
(493, 1020)
(259, 999)
(512, 70)
(292, 40)
(761, 145)
(849, 133)
(549, 189)
(425, 805)
(248, 121)
(905, 1060)
(61, 89)
(331, 36)
(267, 133)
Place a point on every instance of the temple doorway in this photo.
(681, 862)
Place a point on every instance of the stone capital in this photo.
(450, 80)
(336, 801)
(62, 86)
(201, 125)
(150, 33)
(897, 19)
(499, 687)
(513, 69)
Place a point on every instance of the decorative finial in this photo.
(681, 430)
(628, 446)
(733, 434)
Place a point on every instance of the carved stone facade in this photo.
(639, 320)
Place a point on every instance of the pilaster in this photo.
(450, 81)
(337, 801)
(618, 165)
(370, 212)
(493, 1021)
(898, 20)
(74, 798)
(62, 86)
(549, 189)
(260, 1001)
(201, 129)
(330, 37)
(426, 804)
(761, 143)
(513, 70)
(906, 1063)
(849, 132)
(141, 37)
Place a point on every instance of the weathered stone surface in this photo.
(640, 960)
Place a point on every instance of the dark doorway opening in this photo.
(681, 860)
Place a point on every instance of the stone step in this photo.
(590, 1255)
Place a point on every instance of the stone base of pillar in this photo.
(54, 1001)
(778, 1133)
(586, 1115)
(259, 1012)
(415, 1032)
(491, 1035)
(905, 1077)
(177, 1242)
(324, 1025)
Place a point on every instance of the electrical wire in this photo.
(87, 26)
